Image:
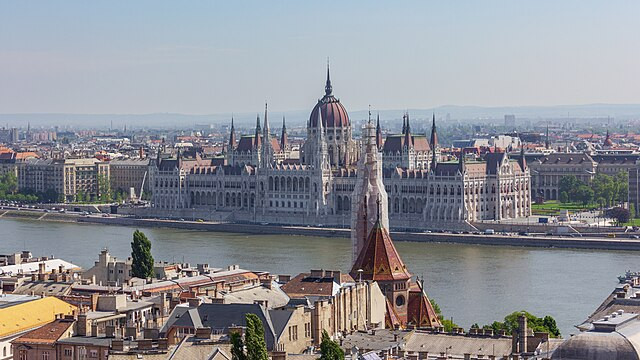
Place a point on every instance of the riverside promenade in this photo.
(616, 243)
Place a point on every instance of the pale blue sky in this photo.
(217, 57)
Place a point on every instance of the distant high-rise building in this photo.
(510, 121)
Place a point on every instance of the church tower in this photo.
(368, 191)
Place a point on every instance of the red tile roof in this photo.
(47, 334)
(379, 259)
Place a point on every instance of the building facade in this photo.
(260, 183)
(67, 178)
(130, 174)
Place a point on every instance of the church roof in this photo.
(379, 259)
(420, 311)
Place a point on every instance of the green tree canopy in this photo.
(510, 323)
(237, 347)
(329, 349)
(142, 265)
(254, 338)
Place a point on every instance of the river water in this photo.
(471, 283)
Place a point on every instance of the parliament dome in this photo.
(329, 109)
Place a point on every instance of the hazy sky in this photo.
(230, 56)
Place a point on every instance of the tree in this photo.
(621, 215)
(568, 184)
(510, 323)
(621, 184)
(142, 264)
(584, 194)
(564, 197)
(254, 338)
(104, 189)
(329, 349)
(237, 347)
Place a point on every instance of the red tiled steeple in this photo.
(379, 259)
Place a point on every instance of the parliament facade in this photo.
(260, 182)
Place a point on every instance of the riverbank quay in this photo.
(593, 243)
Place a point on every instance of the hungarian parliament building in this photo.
(260, 182)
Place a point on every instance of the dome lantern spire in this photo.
(327, 88)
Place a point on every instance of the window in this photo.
(400, 301)
(68, 352)
(45, 355)
(22, 355)
(93, 353)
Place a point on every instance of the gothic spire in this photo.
(434, 135)
(232, 136)
(546, 141)
(378, 133)
(284, 140)
(327, 88)
(257, 141)
(408, 140)
(522, 160)
(404, 123)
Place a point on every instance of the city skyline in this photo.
(80, 58)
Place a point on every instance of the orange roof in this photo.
(26, 154)
(47, 334)
(379, 259)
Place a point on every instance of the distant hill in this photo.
(299, 117)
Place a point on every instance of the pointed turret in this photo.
(284, 139)
(546, 141)
(327, 87)
(378, 133)
(267, 146)
(434, 134)
(404, 123)
(256, 140)
(379, 260)
(408, 140)
(522, 161)
(232, 137)
(607, 140)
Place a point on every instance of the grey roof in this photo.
(280, 319)
(176, 314)
(219, 317)
(457, 344)
(275, 297)
(223, 316)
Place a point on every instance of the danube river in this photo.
(470, 283)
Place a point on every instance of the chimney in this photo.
(337, 276)
(94, 301)
(145, 344)
(522, 334)
(217, 300)
(117, 345)
(82, 326)
(263, 303)
(284, 278)
(279, 355)
(423, 355)
(110, 331)
(317, 273)
(203, 333)
(163, 344)
(194, 302)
